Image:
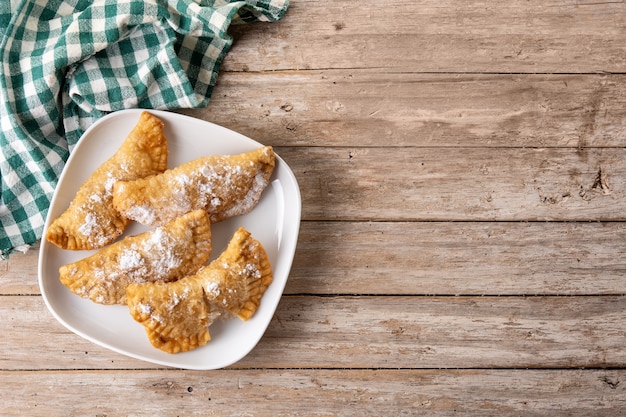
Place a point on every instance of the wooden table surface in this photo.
(462, 248)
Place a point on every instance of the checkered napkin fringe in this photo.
(66, 63)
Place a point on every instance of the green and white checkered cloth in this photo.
(66, 63)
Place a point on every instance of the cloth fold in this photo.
(66, 63)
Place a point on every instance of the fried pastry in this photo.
(166, 253)
(91, 221)
(177, 314)
(224, 186)
(238, 278)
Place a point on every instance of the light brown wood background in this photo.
(463, 239)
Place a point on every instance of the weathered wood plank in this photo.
(449, 332)
(382, 108)
(460, 184)
(33, 339)
(459, 258)
(578, 258)
(18, 273)
(438, 36)
(315, 393)
(371, 332)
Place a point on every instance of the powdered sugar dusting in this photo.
(90, 223)
(224, 186)
(142, 213)
(146, 309)
(252, 270)
(96, 224)
(130, 260)
(213, 289)
(249, 200)
(108, 184)
(151, 257)
(177, 298)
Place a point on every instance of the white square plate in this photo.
(274, 221)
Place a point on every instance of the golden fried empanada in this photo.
(238, 278)
(177, 314)
(166, 253)
(224, 186)
(91, 221)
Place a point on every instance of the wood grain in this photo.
(370, 332)
(19, 273)
(384, 108)
(315, 393)
(432, 36)
(460, 184)
(444, 258)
